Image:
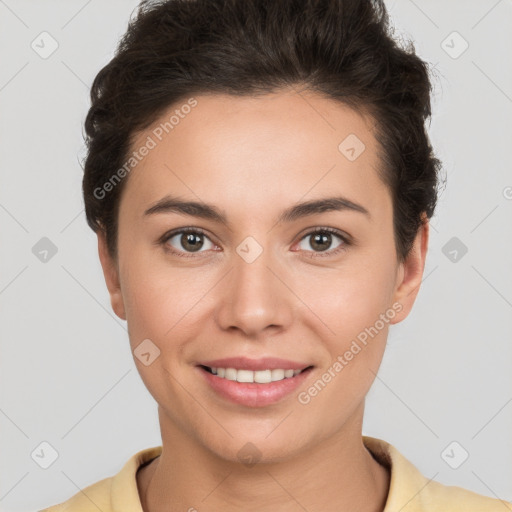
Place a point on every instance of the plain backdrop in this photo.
(67, 378)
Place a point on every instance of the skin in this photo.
(252, 158)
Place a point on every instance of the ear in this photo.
(410, 272)
(111, 274)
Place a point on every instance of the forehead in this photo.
(257, 151)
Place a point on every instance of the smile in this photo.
(253, 383)
(259, 376)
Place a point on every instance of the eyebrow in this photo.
(170, 204)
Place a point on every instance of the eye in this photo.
(322, 239)
(187, 240)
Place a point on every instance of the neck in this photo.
(333, 475)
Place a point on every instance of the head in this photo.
(248, 108)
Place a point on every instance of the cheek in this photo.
(161, 301)
(357, 313)
(148, 303)
(351, 299)
(159, 307)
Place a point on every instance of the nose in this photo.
(255, 296)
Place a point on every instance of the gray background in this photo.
(67, 377)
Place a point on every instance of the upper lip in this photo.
(264, 363)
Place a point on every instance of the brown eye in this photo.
(187, 241)
(321, 241)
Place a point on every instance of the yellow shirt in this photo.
(409, 490)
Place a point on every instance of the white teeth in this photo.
(259, 376)
(263, 376)
(245, 376)
(277, 374)
(230, 374)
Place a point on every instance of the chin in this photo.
(254, 449)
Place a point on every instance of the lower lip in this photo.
(252, 394)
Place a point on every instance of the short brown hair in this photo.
(342, 49)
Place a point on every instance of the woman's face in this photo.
(259, 284)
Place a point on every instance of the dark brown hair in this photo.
(341, 49)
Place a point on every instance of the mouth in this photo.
(265, 376)
(254, 383)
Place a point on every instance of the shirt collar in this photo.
(406, 482)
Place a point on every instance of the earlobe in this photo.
(410, 272)
(111, 275)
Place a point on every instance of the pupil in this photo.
(323, 237)
(191, 240)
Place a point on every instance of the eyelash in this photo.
(333, 252)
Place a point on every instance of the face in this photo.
(316, 288)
